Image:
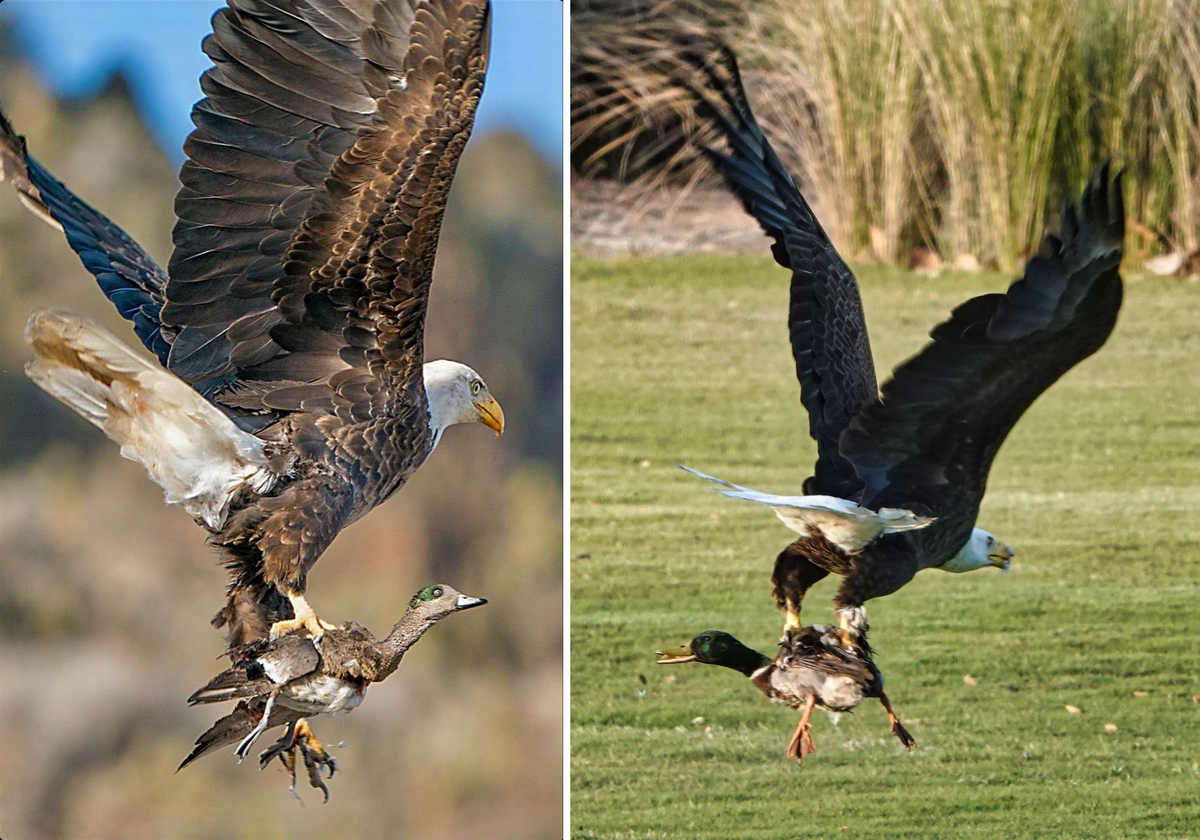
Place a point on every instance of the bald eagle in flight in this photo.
(289, 394)
(900, 473)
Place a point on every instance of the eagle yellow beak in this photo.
(1001, 557)
(673, 656)
(490, 414)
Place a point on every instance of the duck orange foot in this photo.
(300, 739)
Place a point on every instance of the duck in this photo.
(286, 680)
(813, 668)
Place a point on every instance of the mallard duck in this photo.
(282, 682)
(900, 472)
(813, 668)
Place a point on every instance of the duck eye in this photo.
(476, 387)
(437, 593)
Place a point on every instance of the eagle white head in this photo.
(981, 550)
(458, 394)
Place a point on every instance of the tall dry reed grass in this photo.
(956, 125)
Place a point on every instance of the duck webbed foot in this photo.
(897, 727)
(802, 741)
(305, 619)
(299, 743)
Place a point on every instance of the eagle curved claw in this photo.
(852, 625)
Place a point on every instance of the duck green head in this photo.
(439, 599)
(715, 647)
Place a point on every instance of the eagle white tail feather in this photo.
(199, 457)
(842, 522)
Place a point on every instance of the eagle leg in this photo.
(802, 740)
(305, 619)
(897, 727)
(793, 576)
(791, 616)
(852, 624)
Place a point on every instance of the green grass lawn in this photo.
(1097, 488)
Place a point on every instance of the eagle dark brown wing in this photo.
(825, 315)
(928, 443)
(311, 206)
(313, 200)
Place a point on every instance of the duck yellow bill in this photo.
(673, 656)
(491, 415)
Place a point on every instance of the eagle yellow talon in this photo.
(306, 619)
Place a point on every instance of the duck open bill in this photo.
(675, 656)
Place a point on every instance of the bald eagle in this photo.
(900, 473)
(289, 394)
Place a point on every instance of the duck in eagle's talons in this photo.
(284, 681)
(812, 668)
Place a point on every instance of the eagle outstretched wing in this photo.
(311, 206)
(825, 314)
(929, 441)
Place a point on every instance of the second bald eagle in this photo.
(900, 473)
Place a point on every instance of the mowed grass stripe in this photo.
(686, 360)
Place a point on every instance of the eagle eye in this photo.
(476, 387)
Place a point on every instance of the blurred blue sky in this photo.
(75, 44)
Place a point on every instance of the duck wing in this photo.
(809, 648)
(261, 667)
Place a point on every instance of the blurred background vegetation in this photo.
(923, 131)
(106, 594)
